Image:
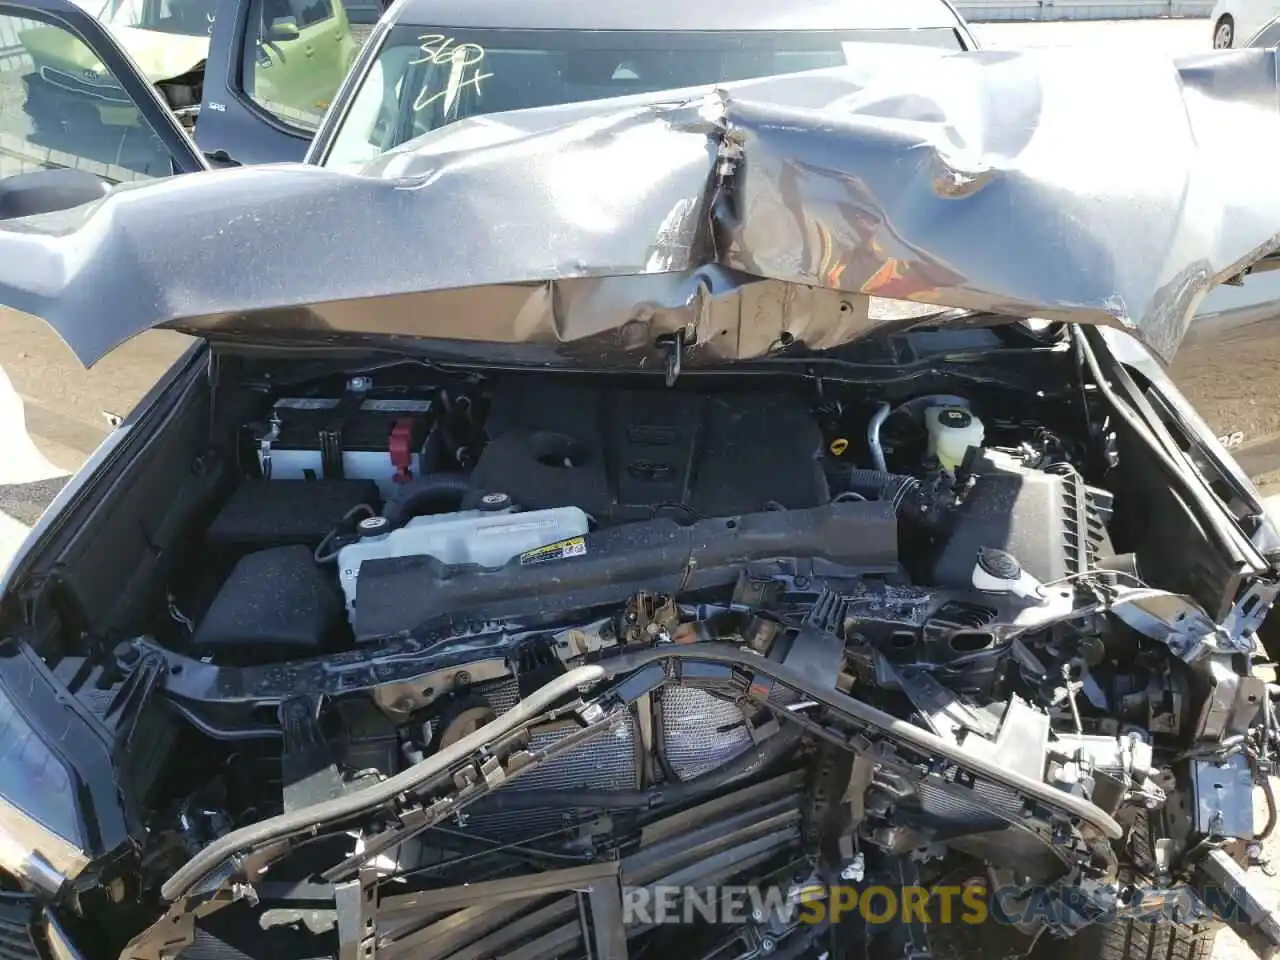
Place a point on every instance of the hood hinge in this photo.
(673, 345)
(1248, 613)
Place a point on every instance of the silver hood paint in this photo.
(1047, 183)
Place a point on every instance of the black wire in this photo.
(319, 371)
(517, 847)
(320, 556)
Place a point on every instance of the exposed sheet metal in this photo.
(1048, 183)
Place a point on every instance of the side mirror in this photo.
(282, 29)
(27, 194)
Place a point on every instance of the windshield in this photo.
(191, 18)
(1268, 36)
(424, 78)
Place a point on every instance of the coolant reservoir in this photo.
(486, 538)
(952, 431)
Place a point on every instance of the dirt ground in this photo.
(65, 404)
(1228, 945)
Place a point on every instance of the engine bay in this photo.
(852, 630)
(438, 511)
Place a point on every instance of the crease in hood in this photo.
(1044, 183)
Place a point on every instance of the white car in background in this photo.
(1235, 21)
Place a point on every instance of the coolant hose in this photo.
(1268, 793)
(451, 487)
(745, 764)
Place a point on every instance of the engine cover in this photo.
(395, 594)
(620, 453)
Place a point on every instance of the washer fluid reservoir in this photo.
(486, 538)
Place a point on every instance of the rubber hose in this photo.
(1269, 794)
(451, 487)
(891, 487)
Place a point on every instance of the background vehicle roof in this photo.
(679, 14)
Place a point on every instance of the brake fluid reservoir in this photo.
(952, 431)
(485, 538)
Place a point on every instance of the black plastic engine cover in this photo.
(276, 603)
(621, 453)
(267, 513)
(407, 593)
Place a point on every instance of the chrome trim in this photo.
(60, 945)
(68, 81)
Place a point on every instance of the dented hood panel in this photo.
(1045, 183)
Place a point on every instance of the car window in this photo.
(188, 18)
(424, 78)
(297, 52)
(315, 12)
(1268, 36)
(61, 107)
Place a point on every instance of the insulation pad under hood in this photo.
(1044, 183)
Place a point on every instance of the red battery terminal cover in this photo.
(401, 450)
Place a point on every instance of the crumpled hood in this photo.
(162, 56)
(1046, 183)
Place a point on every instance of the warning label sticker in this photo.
(573, 547)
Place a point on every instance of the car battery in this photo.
(354, 437)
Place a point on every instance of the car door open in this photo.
(273, 68)
(76, 115)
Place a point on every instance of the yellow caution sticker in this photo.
(560, 550)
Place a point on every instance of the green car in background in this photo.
(302, 50)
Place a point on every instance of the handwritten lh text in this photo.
(441, 51)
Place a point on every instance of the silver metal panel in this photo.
(700, 732)
(979, 804)
(1223, 797)
(606, 762)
